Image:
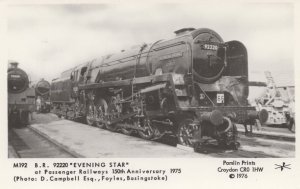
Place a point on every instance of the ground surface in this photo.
(93, 142)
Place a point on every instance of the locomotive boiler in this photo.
(193, 86)
(42, 91)
(20, 96)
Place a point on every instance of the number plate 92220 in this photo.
(210, 47)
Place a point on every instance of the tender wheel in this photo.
(148, 133)
(89, 116)
(100, 125)
(89, 121)
(185, 133)
(126, 131)
(111, 127)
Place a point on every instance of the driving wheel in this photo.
(148, 131)
(101, 107)
(90, 115)
(185, 132)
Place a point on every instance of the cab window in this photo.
(83, 70)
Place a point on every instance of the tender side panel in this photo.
(60, 91)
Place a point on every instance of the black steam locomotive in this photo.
(42, 91)
(20, 96)
(193, 86)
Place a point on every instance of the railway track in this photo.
(29, 143)
(217, 151)
(213, 149)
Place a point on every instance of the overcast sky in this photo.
(48, 39)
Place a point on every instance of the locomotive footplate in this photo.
(127, 82)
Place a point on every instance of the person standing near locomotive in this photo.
(291, 117)
(38, 104)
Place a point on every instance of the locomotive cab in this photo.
(79, 76)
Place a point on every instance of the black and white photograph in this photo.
(205, 81)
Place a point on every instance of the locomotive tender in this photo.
(20, 96)
(193, 86)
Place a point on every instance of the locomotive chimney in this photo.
(14, 64)
(183, 31)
